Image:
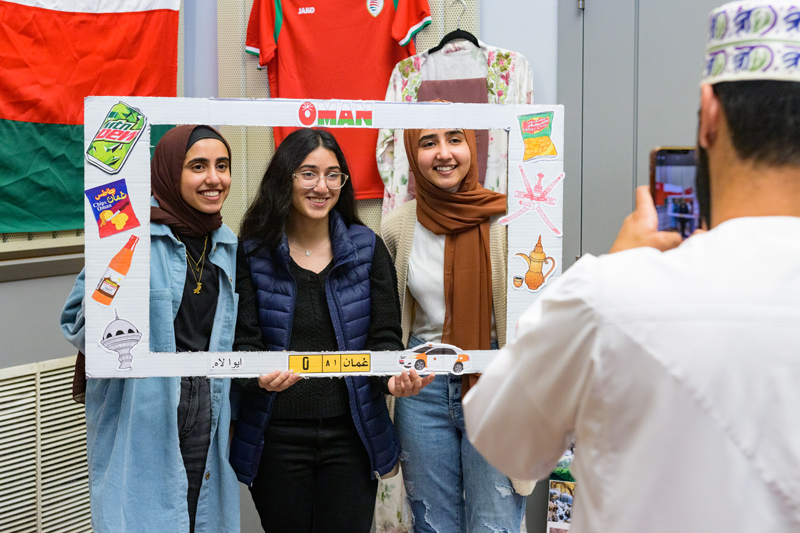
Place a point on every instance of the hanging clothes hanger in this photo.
(458, 33)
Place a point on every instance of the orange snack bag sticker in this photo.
(536, 130)
(112, 208)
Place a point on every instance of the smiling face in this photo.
(206, 176)
(443, 157)
(315, 203)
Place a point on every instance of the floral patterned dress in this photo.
(509, 80)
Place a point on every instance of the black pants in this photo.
(194, 432)
(314, 477)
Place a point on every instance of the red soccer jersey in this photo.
(343, 49)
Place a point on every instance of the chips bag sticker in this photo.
(535, 130)
(112, 208)
(114, 141)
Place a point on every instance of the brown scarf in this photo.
(462, 216)
(166, 167)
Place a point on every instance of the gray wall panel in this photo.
(30, 311)
(608, 120)
(570, 94)
(672, 38)
(642, 65)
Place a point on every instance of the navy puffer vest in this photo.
(348, 293)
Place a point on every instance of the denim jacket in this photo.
(137, 479)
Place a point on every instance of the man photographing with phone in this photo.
(676, 369)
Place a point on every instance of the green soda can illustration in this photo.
(113, 142)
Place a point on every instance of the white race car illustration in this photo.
(435, 357)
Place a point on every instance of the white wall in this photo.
(529, 27)
(200, 52)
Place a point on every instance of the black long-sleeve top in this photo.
(312, 330)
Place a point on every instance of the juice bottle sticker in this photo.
(536, 130)
(110, 283)
(112, 208)
(116, 271)
(114, 141)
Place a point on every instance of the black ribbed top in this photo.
(313, 331)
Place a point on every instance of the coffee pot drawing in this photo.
(533, 277)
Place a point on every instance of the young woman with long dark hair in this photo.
(312, 450)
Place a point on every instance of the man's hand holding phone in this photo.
(640, 228)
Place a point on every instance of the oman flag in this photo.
(53, 53)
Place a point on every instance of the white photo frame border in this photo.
(132, 302)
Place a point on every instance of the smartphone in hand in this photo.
(672, 183)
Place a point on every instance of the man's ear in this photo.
(710, 116)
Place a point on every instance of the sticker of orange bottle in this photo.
(115, 273)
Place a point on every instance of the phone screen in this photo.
(672, 181)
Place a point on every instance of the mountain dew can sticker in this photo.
(113, 142)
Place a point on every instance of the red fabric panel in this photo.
(53, 59)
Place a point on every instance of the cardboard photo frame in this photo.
(116, 144)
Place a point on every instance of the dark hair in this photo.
(266, 218)
(764, 119)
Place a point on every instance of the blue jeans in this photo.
(450, 486)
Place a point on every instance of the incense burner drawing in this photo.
(120, 337)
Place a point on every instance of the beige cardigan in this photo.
(397, 231)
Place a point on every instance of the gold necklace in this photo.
(196, 266)
(306, 250)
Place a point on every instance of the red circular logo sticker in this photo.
(307, 114)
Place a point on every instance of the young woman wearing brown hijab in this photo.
(450, 256)
(158, 447)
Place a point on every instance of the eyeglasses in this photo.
(309, 179)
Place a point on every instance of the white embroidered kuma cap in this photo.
(753, 40)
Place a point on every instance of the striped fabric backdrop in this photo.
(53, 54)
